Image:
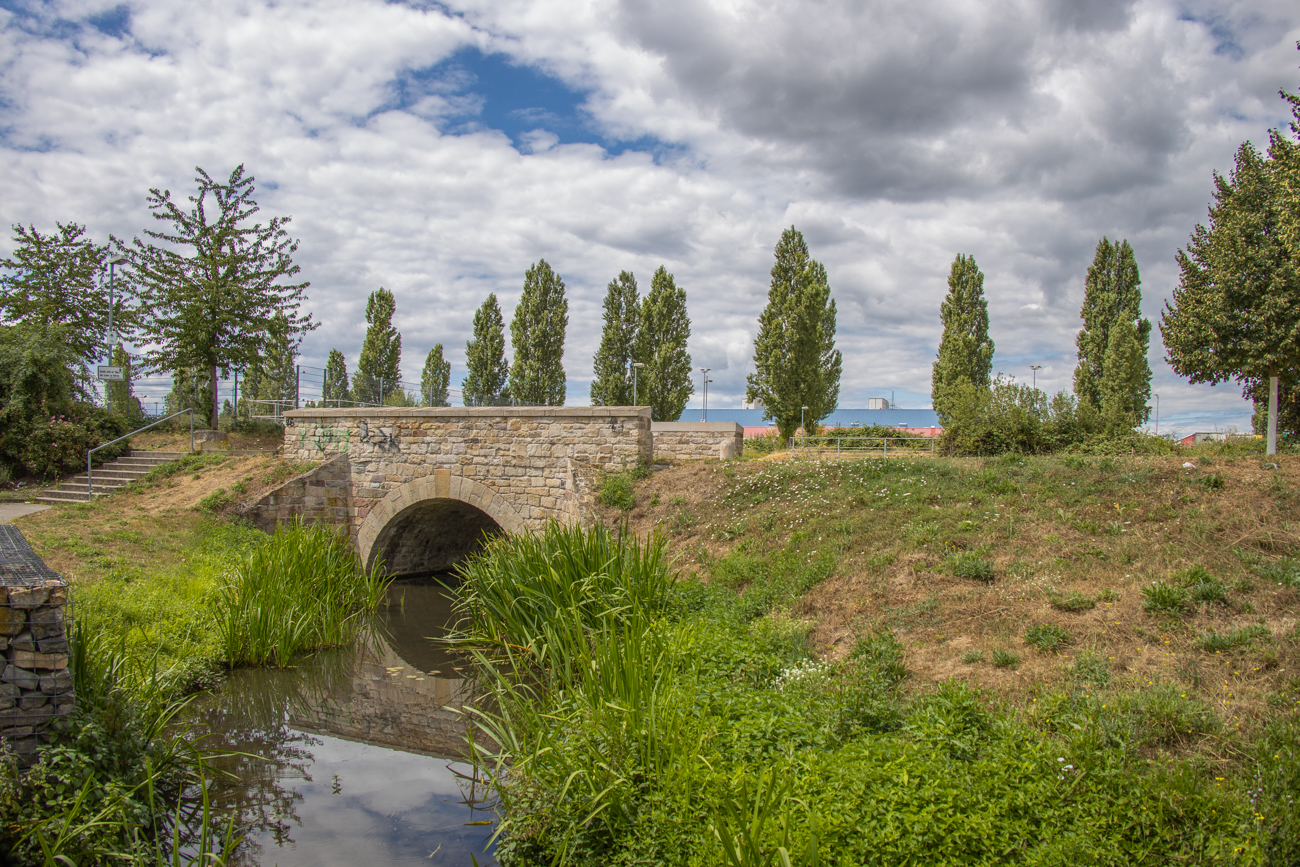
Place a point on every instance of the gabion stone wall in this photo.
(36, 683)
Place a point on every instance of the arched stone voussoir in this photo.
(431, 488)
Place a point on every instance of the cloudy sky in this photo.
(439, 149)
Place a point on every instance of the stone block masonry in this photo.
(36, 681)
(519, 465)
(697, 440)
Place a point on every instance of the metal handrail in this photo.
(824, 443)
(90, 480)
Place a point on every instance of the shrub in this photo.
(1071, 601)
(1047, 637)
(763, 445)
(1003, 658)
(971, 567)
(1170, 598)
(616, 492)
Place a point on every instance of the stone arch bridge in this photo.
(418, 488)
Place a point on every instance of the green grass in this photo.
(1071, 601)
(1218, 642)
(670, 725)
(1003, 658)
(1047, 637)
(1161, 597)
(971, 567)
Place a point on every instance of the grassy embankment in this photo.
(1039, 661)
(167, 593)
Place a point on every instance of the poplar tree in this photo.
(612, 385)
(485, 357)
(435, 378)
(537, 338)
(336, 392)
(1111, 293)
(1236, 310)
(60, 279)
(379, 367)
(277, 368)
(1124, 376)
(665, 383)
(796, 363)
(966, 350)
(211, 292)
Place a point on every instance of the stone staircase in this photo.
(109, 477)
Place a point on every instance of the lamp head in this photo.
(121, 260)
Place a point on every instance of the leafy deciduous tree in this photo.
(612, 385)
(664, 328)
(379, 367)
(56, 279)
(796, 363)
(214, 291)
(435, 378)
(537, 337)
(1236, 311)
(966, 350)
(485, 357)
(1125, 380)
(1111, 294)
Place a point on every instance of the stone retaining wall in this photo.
(320, 494)
(36, 682)
(697, 440)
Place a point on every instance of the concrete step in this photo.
(110, 477)
(54, 498)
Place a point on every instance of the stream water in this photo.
(353, 755)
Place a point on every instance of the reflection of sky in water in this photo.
(319, 799)
(390, 808)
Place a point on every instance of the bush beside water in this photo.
(649, 718)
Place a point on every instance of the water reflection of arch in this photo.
(387, 702)
(438, 496)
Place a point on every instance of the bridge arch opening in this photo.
(431, 536)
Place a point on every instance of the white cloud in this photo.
(893, 136)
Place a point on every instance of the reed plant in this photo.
(303, 590)
(121, 781)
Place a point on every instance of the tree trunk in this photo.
(216, 402)
(1271, 446)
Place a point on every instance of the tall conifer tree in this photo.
(966, 350)
(796, 363)
(485, 357)
(537, 337)
(612, 385)
(1111, 292)
(435, 378)
(665, 384)
(336, 391)
(379, 367)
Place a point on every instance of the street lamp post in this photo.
(802, 410)
(1157, 397)
(1035, 368)
(704, 371)
(636, 365)
(108, 359)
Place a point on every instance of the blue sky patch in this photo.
(513, 98)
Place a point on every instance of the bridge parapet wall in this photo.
(530, 463)
(697, 440)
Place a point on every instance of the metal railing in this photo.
(90, 479)
(823, 448)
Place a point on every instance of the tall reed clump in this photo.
(303, 590)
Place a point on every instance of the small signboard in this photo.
(110, 374)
